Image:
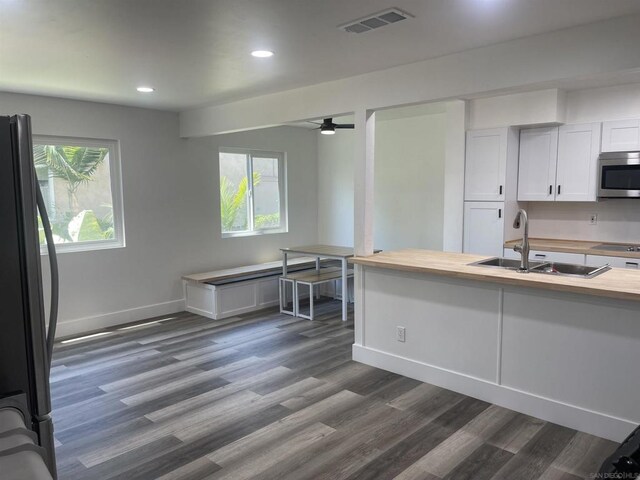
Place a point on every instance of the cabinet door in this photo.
(577, 170)
(616, 262)
(484, 228)
(537, 164)
(621, 136)
(485, 164)
(560, 257)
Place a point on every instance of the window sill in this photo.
(254, 233)
(83, 247)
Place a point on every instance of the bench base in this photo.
(223, 301)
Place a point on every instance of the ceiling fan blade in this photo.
(345, 125)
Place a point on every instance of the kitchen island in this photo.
(563, 349)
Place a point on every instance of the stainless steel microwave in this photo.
(619, 175)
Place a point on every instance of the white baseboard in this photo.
(572, 416)
(78, 326)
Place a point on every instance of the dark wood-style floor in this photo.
(268, 396)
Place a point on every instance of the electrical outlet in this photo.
(400, 334)
(593, 219)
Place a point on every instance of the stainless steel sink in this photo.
(546, 268)
(612, 247)
(570, 270)
(506, 263)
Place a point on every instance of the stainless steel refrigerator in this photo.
(26, 343)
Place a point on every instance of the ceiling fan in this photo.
(327, 127)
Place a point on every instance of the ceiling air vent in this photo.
(376, 20)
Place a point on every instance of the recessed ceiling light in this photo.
(262, 53)
(145, 89)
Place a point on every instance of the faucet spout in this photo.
(523, 247)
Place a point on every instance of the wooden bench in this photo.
(310, 278)
(233, 291)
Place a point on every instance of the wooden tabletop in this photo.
(618, 283)
(574, 246)
(321, 250)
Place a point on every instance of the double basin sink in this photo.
(547, 268)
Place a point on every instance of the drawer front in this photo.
(616, 262)
(560, 257)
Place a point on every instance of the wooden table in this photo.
(324, 251)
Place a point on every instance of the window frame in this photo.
(115, 182)
(282, 189)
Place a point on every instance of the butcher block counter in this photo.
(563, 349)
(616, 283)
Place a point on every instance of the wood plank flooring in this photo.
(268, 396)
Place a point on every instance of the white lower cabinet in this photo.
(616, 262)
(559, 257)
(540, 256)
(483, 228)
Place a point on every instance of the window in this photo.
(80, 182)
(256, 207)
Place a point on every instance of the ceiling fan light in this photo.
(327, 130)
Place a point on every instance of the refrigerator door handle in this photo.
(53, 262)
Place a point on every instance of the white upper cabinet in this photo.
(483, 228)
(577, 171)
(537, 164)
(621, 136)
(485, 164)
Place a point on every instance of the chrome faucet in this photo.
(523, 248)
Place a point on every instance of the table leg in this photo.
(284, 264)
(345, 289)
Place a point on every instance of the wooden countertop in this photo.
(618, 283)
(574, 246)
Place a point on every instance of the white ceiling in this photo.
(196, 52)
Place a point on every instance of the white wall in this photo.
(201, 223)
(409, 182)
(618, 220)
(527, 108)
(604, 103)
(171, 209)
(335, 187)
(408, 179)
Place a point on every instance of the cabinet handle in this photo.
(500, 189)
(559, 189)
(499, 213)
(550, 189)
(540, 255)
(631, 264)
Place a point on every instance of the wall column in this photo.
(455, 126)
(365, 121)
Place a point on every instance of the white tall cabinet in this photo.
(485, 165)
(491, 165)
(559, 163)
(484, 228)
